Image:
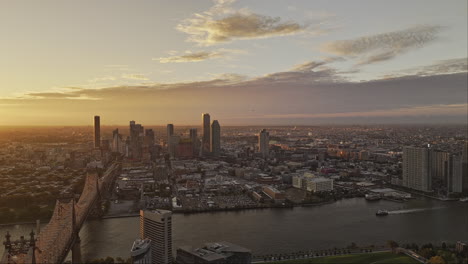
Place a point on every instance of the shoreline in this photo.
(184, 211)
(188, 211)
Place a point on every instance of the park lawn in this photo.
(369, 258)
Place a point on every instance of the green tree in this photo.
(392, 244)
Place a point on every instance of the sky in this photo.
(262, 62)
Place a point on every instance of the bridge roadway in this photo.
(60, 235)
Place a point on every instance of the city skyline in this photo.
(233, 131)
(281, 63)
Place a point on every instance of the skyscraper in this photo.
(417, 168)
(136, 140)
(215, 138)
(439, 165)
(206, 133)
(149, 137)
(264, 143)
(194, 138)
(97, 131)
(170, 132)
(464, 168)
(455, 175)
(157, 226)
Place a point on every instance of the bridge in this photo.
(61, 234)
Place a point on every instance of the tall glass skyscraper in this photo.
(215, 138)
(206, 133)
(97, 131)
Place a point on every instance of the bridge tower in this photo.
(76, 248)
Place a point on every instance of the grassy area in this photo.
(371, 258)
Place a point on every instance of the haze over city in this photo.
(233, 132)
(250, 62)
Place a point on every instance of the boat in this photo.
(372, 197)
(140, 247)
(464, 199)
(381, 213)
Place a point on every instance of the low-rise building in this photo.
(219, 252)
(273, 193)
(319, 184)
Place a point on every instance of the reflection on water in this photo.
(285, 230)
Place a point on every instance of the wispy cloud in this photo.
(222, 23)
(197, 56)
(307, 91)
(436, 110)
(449, 66)
(102, 79)
(386, 46)
(135, 76)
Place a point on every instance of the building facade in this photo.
(206, 133)
(417, 169)
(215, 138)
(219, 252)
(97, 131)
(264, 143)
(157, 226)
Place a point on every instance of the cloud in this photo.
(386, 46)
(310, 65)
(58, 95)
(135, 76)
(441, 67)
(190, 56)
(222, 23)
(101, 79)
(307, 92)
(437, 110)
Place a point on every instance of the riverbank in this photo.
(365, 258)
(191, 211)
(282, 231)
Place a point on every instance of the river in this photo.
(270, 231)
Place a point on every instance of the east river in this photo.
(271, 231)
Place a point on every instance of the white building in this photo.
(300, 181)
(312, 183)
(319, 184)
(157, 226)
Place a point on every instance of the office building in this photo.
(184, 148)
(264, 143)
(195, 142)
(417, 168)
(455, 174)
(274, 193)
(439, 165)
(173, 145)
(169, 132)
(157, 226)
(215, 138)
(97, 131)
(206, 133)
(319, 184)
(136, 140)
(118, 144)
(220, 252)
(149, 137)
(141, 251)
(464, 162)
(300, 181)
